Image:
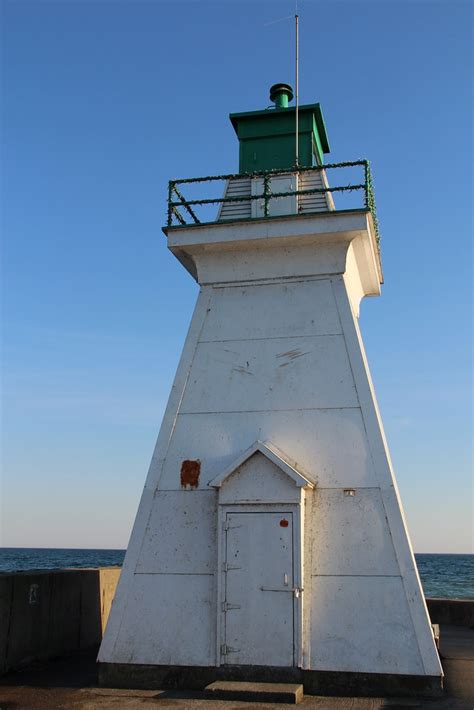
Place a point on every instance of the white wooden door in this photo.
(276, 205)
(258, 608)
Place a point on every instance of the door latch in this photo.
(297, 591)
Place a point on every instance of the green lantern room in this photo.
(267, 139)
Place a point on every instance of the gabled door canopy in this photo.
(274, 455)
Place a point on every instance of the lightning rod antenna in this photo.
(297, 48)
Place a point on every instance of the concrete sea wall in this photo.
(456, 612)
(48, 614)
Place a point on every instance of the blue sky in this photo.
(103, 103)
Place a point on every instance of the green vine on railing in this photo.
(275, 171)
(266, 185)
(370, 198)
(268, 194)
(185, 204)
(271, 195)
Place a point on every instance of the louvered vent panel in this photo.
(320, 201)
(239, 187)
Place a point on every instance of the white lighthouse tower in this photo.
(270, 541)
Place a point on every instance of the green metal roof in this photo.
(236, 118)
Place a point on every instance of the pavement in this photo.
(72, 684)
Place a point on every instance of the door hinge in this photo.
(228, 526)
(225, 649)
(226, 606)
(226, 567)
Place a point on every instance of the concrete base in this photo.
(129, 675)
(256, 692)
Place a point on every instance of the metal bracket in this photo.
(225, 649)
(227, 567)
(226, 606)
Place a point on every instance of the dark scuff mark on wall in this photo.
(190, 471)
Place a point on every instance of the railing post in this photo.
(266, 183)
(297, 192)
(170, 200)
(367, 183)
(370, 198)
(186, 206)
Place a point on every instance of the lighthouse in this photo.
(270, 541)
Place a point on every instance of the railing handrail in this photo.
(274, 171)
(270, 194)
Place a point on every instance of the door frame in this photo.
(295, 510)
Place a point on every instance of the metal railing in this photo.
(180, 210)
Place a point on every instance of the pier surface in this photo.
(72, 684)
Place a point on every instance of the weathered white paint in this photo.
(169, 618)
(194, 550)
(274, 355)
(248, 474)
(259, 584)
(251, 311)
(276, 372)
(303, 246)
(352, 535)
(315, 434)
(362, 624)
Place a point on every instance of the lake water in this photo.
(450, 576)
